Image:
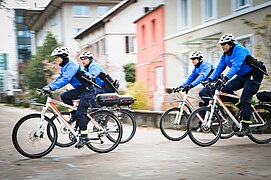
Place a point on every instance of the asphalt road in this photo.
(147, 156)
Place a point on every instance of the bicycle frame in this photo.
(183, 102)
(50, 103)
(217, 100)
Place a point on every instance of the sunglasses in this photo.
(223, 44)
(193, 59)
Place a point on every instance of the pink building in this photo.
(150, 58)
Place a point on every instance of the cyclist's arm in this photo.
(219, 69)
(237, 62)
(191, 78)
(203, 75)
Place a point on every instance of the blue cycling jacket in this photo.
(235, 61)
(66, 76)
(96, 69)
(199, 74)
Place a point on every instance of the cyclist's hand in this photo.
(221, 82)
(207, 82)
(187, 88)
(177, 89)
(45, 90)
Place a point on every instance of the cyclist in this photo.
(234, 56)
(70, 73)
(202, 70)
(93, 68)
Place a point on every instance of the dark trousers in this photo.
(250, 84)
(87, 99)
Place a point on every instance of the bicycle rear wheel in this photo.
(26, 140)
(199, 132)
(261, 134)
(108, 139)
(65, 137)
(128, 123)
(168, 127)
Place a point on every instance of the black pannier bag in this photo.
(126, 100)
(264, 96)
(107, 99)
(111, 85)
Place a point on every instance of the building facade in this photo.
(150, 57)
(65, 18)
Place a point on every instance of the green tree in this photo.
(129, 70)
(35, 73)
(139, 91)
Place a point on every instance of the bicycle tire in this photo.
(113, 127)
(262, 134)
(169, 129)
(128, 122)
(28, 135)
(227, 131)
(198, 132)
(65, 138)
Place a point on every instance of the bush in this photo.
(139, 91)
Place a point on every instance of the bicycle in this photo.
(35, 135)
(173, 121)
(212, 125)
(112, 103)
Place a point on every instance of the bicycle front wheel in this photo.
(261, 132)
(106, 140)
(199, 131)
(169, 127)
(28, 142)
(128, 123)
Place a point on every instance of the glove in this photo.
(221, 82)
(177, 89)
(207, 82)
(187, 88)
(46, 90)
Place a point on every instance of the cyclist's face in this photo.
(225, 47)
(85, 61)
(195, 61)
(58, 60)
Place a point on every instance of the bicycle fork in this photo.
(178, 117)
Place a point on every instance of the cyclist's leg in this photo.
(68, 96)
(204, 93)
(251, 87)
(231, 86)
(87, 95)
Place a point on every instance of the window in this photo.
(209, 9)
(143, 33)
(247, 43)
(101, 10)
(153, 24)
(159, 77)
(184, 13)
(19, 19)
(53, 21)
(81, 11)
(3, 61)
(1, 82)
(77, 30)
(241, 4)
(130, 44)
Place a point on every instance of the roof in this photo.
(105, 18)
(149, 12)
(50, 9)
